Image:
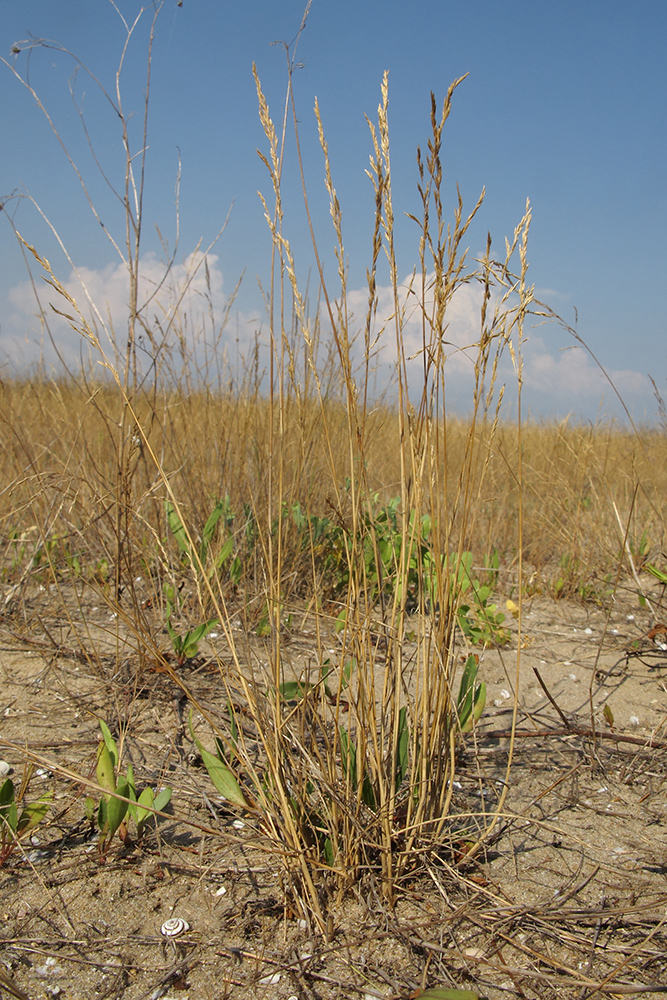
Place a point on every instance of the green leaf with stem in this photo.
(472, 696)
(220, 774)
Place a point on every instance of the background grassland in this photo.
(59, 467)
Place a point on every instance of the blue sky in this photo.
(565, 104)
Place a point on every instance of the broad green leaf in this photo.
(220, 774)
(140, 810)
(8, 813)
(162, 799)
(6, 794)
(110, 743)
(657, 573)
(291, 690)
(130, 781)
(225, 552)
(209, 528)
(195, 636)
(116, 808)
(105, 773)
(34, 813)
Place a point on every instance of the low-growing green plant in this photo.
(112, 808)
(185, 644)
(203, 558)
(15, 825)
(388, 572)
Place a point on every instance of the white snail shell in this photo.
(174, 927)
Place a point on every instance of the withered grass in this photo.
(87, 465)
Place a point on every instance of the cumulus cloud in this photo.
(187, 311)
(180, 307)
(559, 376)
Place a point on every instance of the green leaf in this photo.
(116, 808)
(402, 747)
(110, 743)
(209, 528)
(147, 803)
(657, 573)
(6, 794)
(130, 780)
(225, 552)
(162, 799)
(176, 527)
(34, 813)
(105, 772)
(220, 774)
(200, 632)
(292, 690)
(8, 812)
(472, 697)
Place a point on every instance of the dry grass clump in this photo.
(355, 512)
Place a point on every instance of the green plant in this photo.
(202, 558)
(219, 771)
(186, 645)
(120, 796)
(472, 696)
(640, 550)
(15, 825)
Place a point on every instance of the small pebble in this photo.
(634, 720)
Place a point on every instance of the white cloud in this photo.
(559, 376)
(567, 379)
(181, 309)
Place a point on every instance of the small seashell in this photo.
(5, 768)
(270, 980)
(238, 824)
(221, 891)
(174, 927)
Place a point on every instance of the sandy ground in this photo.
(569, 899)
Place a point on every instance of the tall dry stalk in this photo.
(350, 776)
